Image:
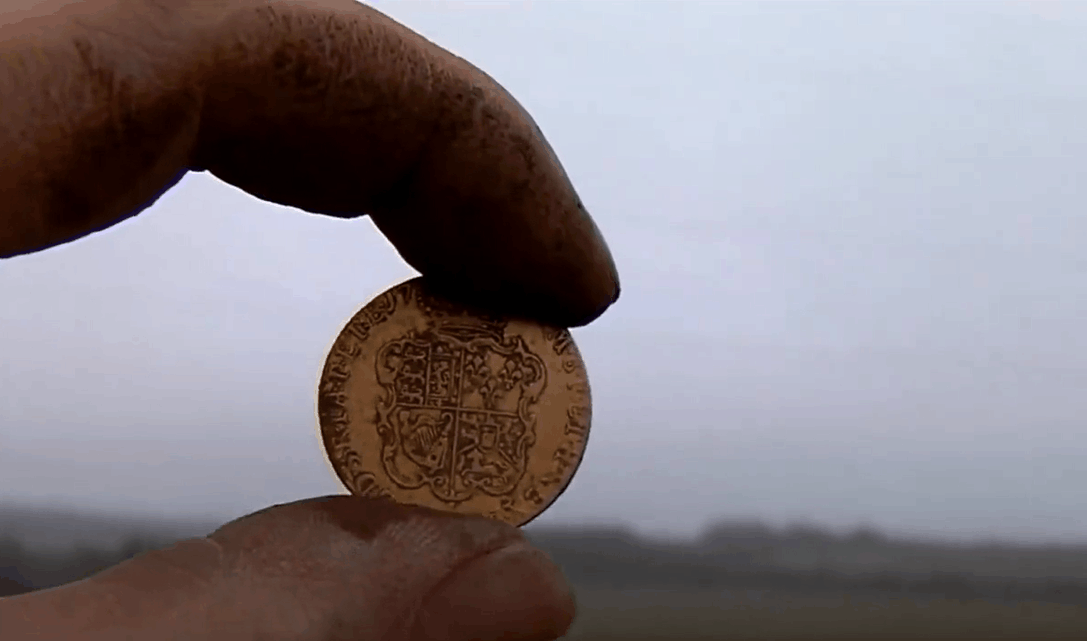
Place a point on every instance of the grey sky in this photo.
(851, 244)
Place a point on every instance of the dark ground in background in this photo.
(736, 581)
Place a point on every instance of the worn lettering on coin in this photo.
(429, 403)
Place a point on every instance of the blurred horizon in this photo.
(32, 523)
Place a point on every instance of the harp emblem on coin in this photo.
(458, 414)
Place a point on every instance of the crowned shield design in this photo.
(458, 410)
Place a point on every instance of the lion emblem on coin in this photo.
(458, 409)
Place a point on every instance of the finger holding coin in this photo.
(324, 105)
(331, 107)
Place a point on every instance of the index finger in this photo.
(329, 106)
(335, 108)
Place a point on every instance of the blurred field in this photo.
(735, 582)
(647, 615)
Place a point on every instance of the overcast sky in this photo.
(851, 240)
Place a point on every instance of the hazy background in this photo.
(854, 288)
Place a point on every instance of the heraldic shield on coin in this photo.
(429, 403)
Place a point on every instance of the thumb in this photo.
(345, 567)
(327, 569)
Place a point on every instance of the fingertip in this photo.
(564, 304)
(568, 286)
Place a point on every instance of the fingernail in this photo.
(513, 594)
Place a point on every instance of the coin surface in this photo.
(430, 403)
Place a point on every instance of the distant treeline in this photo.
(616, 561)
(744, 546)
(24, 570)
(727, 557)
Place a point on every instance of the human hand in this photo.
(325, 105)
(331, 107)
(328, 569)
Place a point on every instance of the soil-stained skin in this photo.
(430, 403)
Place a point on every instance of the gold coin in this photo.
(430, 403)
